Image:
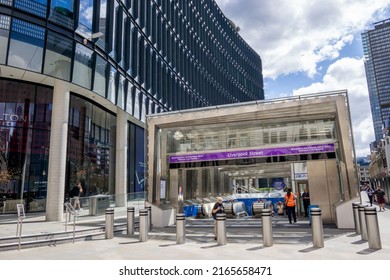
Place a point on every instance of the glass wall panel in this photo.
(86, 12)
(36, 7)
(113, 33)
(26, 36)
(99, 85)
(144, 107)
(82, 67)
(5, 22)
(129, 99)
(62, 13)
(91, 147)
(6, 2)
(137, 108)
(25, 116)
(101, 42)
(139, 158)
(58, 56)
(112, 85)
(121, 92)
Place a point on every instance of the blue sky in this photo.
(310, 46)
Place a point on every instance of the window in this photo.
(58, 55)
(101, 42)
(62, 13)
(5, 22)
(100, 76)
(35, 7)
(26, 36)
(112, 82)
(82, 67)
(84, 27)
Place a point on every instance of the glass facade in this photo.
(176, 54)
(377, 65)
(25, 117)
(142, 57)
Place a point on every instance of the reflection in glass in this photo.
(25, 115)
(62, 13)
(58, 56)
(5, 22)
(91, 147)
(144, 106)
(100, 76)
(137, 105)
(82, 69)
(84, 27)
(121, 92)
(26, 36)
(101, 42)
(6, 2)
(111, 92)
(139, 158)
(36, 7)
(129, 99)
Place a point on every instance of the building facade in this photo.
(377, 65)
(302, 142)
(79, 77)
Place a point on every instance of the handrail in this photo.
(71, 211)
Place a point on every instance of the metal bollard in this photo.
(130, 220)
(266, 219)
(180, 228)
(109, 223)
(316, 227)
(143, 225)
(362, 221)
(221, 229)
(374, 238)
(355, 209)
(149, 208)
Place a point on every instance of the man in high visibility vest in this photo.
(290, 201)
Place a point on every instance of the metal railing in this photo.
(69, 212)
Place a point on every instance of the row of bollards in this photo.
(366, 224)
(145, 225)
(365, 218)
(145, 222)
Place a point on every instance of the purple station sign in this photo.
(280, 151)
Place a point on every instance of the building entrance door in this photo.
(302, 185)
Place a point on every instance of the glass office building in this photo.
(78, 78)
(377, 65)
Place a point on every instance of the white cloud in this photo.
(300, 36)
(294, 36)
(348, 73)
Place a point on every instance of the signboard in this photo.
(277, 151)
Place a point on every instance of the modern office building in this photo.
(78, 77)
(377, 65)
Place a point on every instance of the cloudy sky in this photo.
(310, 46)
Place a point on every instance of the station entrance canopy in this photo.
(199, 154)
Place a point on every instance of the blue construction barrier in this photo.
(192, 210)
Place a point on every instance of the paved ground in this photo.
(244, 242)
